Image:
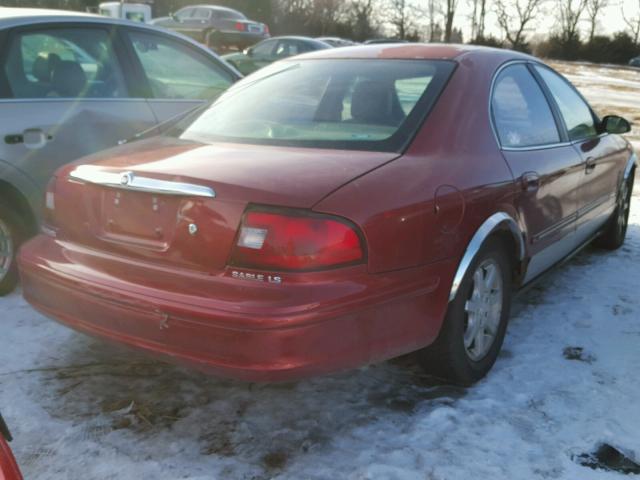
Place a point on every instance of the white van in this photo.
(137, 12)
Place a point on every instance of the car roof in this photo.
(11, 17)
(300, 38)
(422, 51)
(213, 7)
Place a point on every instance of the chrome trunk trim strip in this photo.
(130, 181)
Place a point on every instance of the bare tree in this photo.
(403, 15)
(450, 11)
(361, 16)
(515, 18)
(481, 19)
(633, 24)
(570, 12)
(593, 10)
(434, 10)
(326, 13)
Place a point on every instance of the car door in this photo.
(261, 55)
(197, 23)
(190, 78)
(66, 96)
(181, 22)
(546, 167)
(604, 155)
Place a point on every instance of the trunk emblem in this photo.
(126, 178)
(193, 229)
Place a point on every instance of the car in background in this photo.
(72, 84)
(336, 209)
(8, 466)
(272, 50)
(217, 27)
(634, 62)
(337, 41)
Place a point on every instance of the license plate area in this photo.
(255, 29)
(138, 218)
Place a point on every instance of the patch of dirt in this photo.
(275, 460)
(578, 353)
(609, 458)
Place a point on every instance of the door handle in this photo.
(32, 138)
(590, 165)
(530, 181)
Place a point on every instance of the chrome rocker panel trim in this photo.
(487, 228)
(130, 181)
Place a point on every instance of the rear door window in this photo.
(521, 113)
(575, 111)
(64, 63)
(177, 71)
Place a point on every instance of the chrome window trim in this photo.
(633, 160)
(129, 181)
(536, 147)
(487, 228)
(73, 99)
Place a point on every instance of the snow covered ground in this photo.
(567, 380)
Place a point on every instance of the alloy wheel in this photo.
(483, 310)
(623, 209)
(6, 250)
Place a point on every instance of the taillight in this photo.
(266, 28)
(48, 225)
(240, 26)
(295, 240)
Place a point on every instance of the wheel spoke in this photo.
(490, 279)
(478, 281)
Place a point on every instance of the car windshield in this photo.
(349, 104)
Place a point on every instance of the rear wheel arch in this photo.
(500, 225)
(15, 200)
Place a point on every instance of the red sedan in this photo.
(8, 467)
(336, 209)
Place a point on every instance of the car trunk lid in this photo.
(180, 203)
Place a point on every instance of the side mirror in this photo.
(248, 52)
(174, 17)
(615, 124)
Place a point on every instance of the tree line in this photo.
(574, 36)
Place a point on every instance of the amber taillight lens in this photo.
(296, 241)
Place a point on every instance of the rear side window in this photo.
(177, 71)
(575, 111)
(521, 113)
(64, 63)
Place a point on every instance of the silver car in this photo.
(72, 84)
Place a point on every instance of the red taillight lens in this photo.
(49, 206)
(266, 28)
(295, 241)
(240, 26)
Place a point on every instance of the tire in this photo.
(615, 231)
(12, 234)
(464, 362)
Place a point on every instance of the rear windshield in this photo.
(346, 104)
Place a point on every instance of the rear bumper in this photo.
(305, 326)
(241, 39)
